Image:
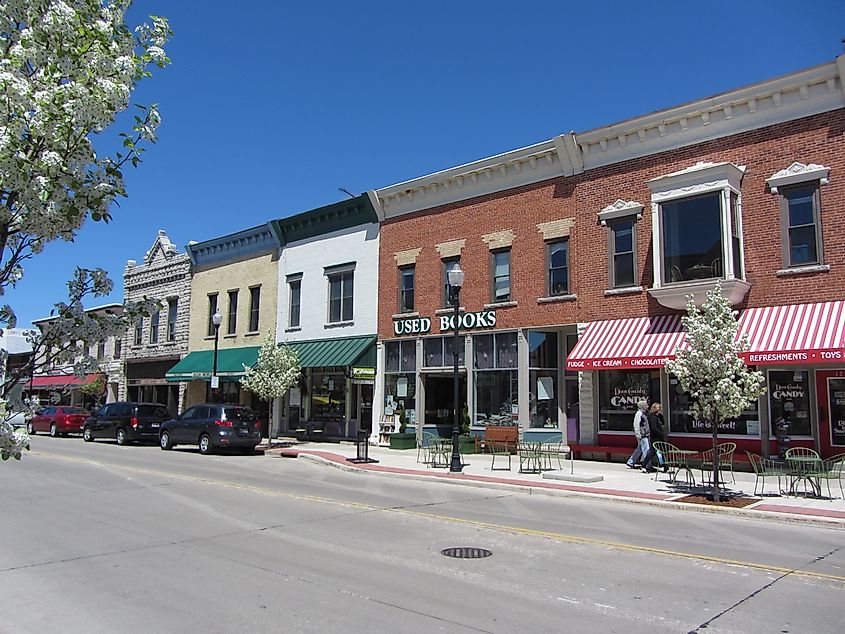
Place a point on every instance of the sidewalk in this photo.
(615, 481)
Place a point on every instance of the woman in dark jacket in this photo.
(655, 427)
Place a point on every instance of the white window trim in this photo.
(701, 178)
(620, 209)
(799, 173)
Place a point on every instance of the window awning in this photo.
(342, 351)
(63, 380)
(638, 343)
(197, 365)
(798, 333)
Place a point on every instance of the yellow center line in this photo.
(560, 537)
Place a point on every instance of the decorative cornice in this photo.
(698, 178)
(407, 257)
(451, 249)
(498, 239)
(794, 96)
(243, 244)
(162, 242)
(620, 209)
(556, 228)
(798, 173)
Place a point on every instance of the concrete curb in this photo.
(748, 513)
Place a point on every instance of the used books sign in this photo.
(468, 321)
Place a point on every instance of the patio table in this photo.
(683, 457)
(804, 468)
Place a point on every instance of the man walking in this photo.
(641, 432)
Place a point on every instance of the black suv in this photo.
(213, 426)
(125, 422)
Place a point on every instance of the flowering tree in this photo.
(719, 383)
(275, 373)
(12, 441)
(67, 68)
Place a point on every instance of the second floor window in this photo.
(340, 296)
(801, 227)
(212, 308)
(448, 264)
(139, 332)
(295, 292)
(232, 320)
(118, 347)
(558, 267)
(254, 307)
(154, 327)
(172, 311)
(622, 253)
(502, 276)
(406, 289)
(101, 350)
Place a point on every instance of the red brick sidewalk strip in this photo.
(798, 510)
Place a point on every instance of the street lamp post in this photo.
(456, 281)
(216, 318)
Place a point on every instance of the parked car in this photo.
(213, 426)
(126, 422)
(58, 420)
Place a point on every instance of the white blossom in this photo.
(276, 371)
(12, 441)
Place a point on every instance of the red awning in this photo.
(62, 380)
(799, 333)
(640, 342)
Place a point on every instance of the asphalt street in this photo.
(101, 538)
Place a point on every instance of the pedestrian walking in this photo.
(641, 432)
(656, 426)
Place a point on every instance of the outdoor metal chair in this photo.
(763, 467)
(433, 450)
(725, 458)
(529, 456)
(673, 460)
(551, 449)
(804, 465)
(830, 469)
(498, 449)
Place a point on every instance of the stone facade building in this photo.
(158, 342)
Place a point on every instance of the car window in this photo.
(189, 413)
(48, 411)
(73, 410)
(105, 410)
(239, 413)
(154, 411)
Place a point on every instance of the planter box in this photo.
(403, 441)
(466, 444)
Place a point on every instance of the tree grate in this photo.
(466, 552)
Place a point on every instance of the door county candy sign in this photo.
(468, 321)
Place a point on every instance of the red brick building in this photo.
(578, 253)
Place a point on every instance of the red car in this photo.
(61, 419)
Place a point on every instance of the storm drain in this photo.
(466, 552)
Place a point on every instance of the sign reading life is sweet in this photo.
(468, 321)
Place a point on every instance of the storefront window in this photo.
(543, 373)
(437, 351)
(681, 421)
(496, 386)
(328, 396)
(619, 393)
(400, 379)
(789, 399)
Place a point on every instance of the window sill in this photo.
(625, 290)
(230, 336)
(408, 315)
(674, 295)
(340, 324)
(495, 305)
(252, 333)
(293, 329)
(448, 311)
(804, 270)
(557, 298)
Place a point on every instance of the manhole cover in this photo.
(466, 552)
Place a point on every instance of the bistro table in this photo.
(804, 468)
(682, 458)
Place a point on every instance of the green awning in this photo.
(197, 366)
(324, 353)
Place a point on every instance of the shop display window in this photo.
(543, 379)
(681, 421)
(496, 386)
(619, 393)
(328, 396)
(400, 379)
(789, 400)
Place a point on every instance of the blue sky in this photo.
(269, 107)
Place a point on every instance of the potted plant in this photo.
(402, 439)
(465, 440)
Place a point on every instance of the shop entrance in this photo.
(830, 390)
(439, 400)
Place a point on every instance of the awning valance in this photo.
(63, 380)
(341, 351)
(197, 366)
(798, 333)
(639, 343)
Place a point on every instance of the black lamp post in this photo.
(456, 281)
(216, 318)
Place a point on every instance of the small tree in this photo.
(719, 383)
(276, 371)
(12, 441)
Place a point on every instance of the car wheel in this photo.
(205, 444)
(30, 429)
(87, 436)
(120, 436)
(164, 441)
(54, 431)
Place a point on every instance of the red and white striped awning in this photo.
(639, 342)
(799, 333)
(62, 380)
